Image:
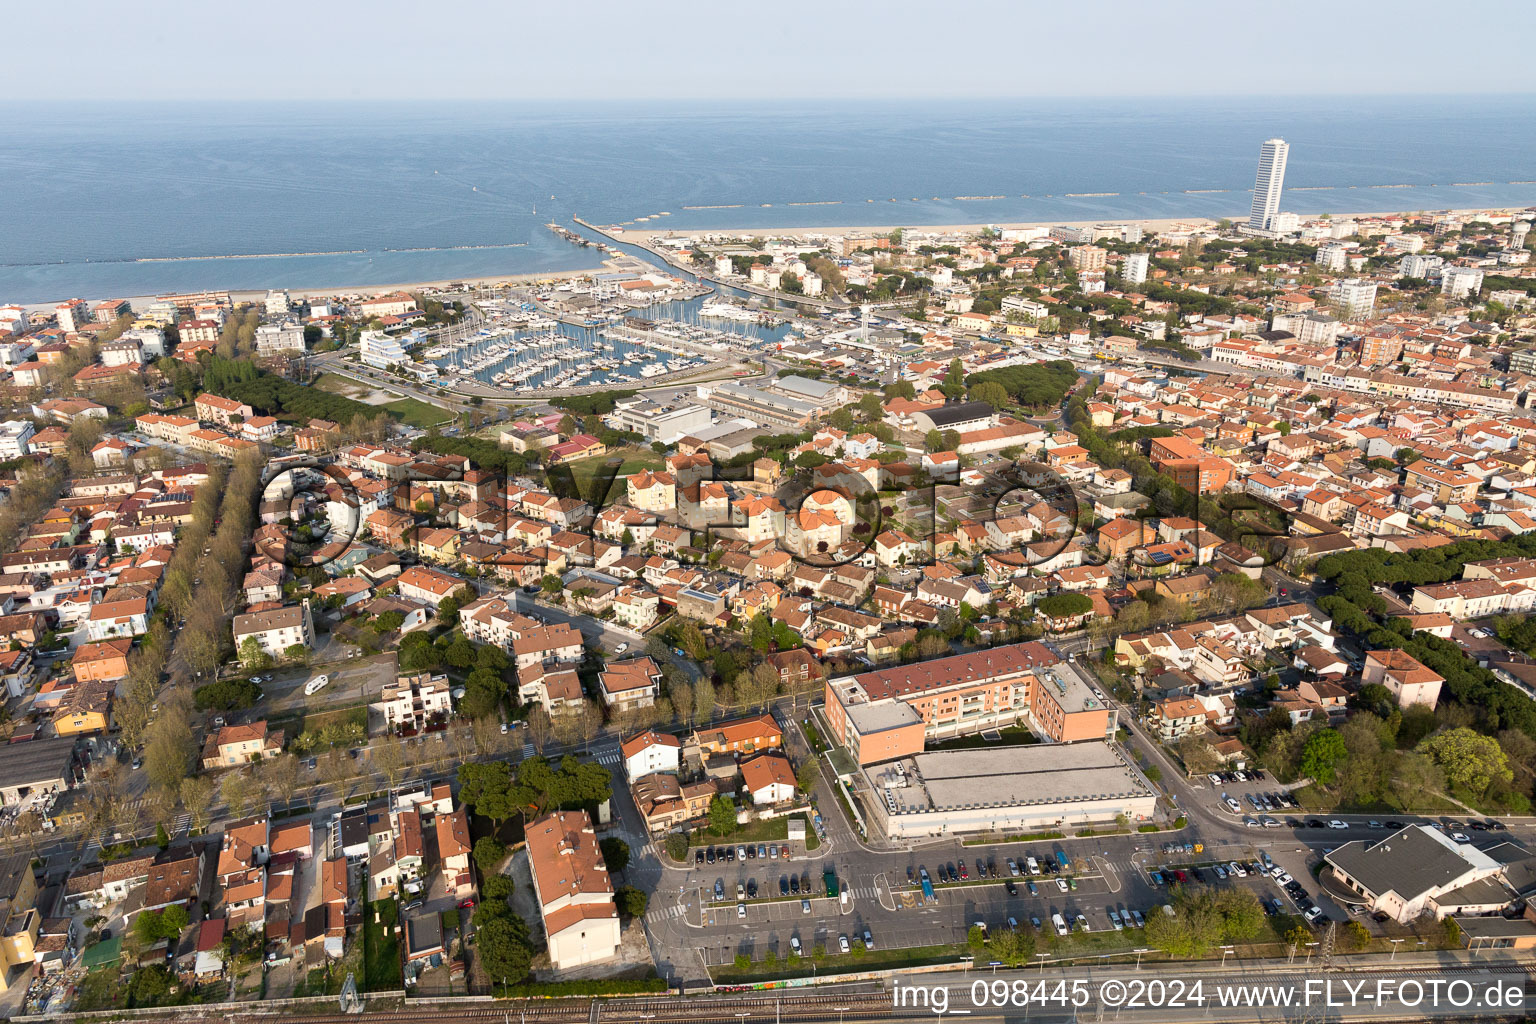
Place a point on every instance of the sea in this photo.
(128, 200)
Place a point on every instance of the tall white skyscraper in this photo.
(1266, 187)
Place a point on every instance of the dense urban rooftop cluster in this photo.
(1246, 492)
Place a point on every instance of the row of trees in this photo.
(1384, 756)
(493, 790)
(202, 588)
(1356, 608)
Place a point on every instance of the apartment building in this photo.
(889, 713)
(574, 892)
(1410, 681)
(407, 706)
(277, 629)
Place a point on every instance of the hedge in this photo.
(592, 987)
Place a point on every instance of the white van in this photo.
(1060, 923)
(1032, 865)
(315, 684)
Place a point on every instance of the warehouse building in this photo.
(1027, 788)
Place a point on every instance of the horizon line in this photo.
(632, 99)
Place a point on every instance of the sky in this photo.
(825, 50)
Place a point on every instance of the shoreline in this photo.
(645, 237)
(351, 291)
(631, 233)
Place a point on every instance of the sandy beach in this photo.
(140, 302)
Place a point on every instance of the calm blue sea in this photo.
(134, 200)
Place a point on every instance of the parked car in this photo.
(842, 943)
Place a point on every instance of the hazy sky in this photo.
(778, 49)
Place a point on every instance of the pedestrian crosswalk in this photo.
(870, 893)
(527, 750)
(666, 913)
(608, 756)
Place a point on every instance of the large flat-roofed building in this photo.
(824, 395)
(760, 406)
(891, 712)
(1029, 787)
(36, 766)
(656, 422)
(962, 417)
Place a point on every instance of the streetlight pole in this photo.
(1224, 951)
(1395, 944)
(1140, 950)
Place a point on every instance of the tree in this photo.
(170, 747)
(460, 653)
(1321, 756)
(807, 775)
(281, 775)
(539, 728)
(240, 792)
(631, 901)
(615, 853)
(336, 772)
(152, 926)
(1241, 914)
(504, 948)
(991, 392)
(722, 815)
(489, 852)
(976, 937)
(196, 796)
(1197, 755)
(1014, 946)
(1470, 762)
(497, 889)
(252, 657)
(389, 760)
(589, 722)
(703, 701)
(486, 786)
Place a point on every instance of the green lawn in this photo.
(99, 990)
(765, 830)
(1013, 736)
(634, 460)
(415, 413)
(381, 949)
(336, 384)
(834, 963)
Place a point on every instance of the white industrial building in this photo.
(1047, 785)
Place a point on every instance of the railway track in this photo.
(787, 1006)
(806, 1009)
